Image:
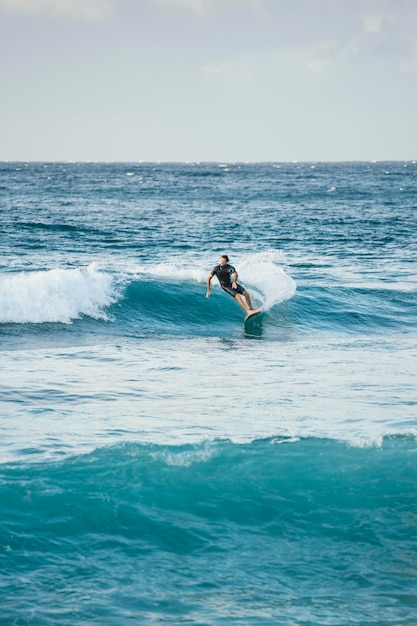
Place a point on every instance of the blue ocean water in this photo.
(161, 462)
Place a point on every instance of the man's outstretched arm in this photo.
(209, 277)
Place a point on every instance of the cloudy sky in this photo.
(207, 80)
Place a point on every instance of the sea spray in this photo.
(269, 281)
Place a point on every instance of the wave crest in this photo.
(56, 295)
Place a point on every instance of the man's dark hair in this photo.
(225, 257)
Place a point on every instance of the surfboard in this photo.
(253, 314)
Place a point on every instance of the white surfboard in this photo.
(253, 314)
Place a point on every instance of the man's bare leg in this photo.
(248, 300)
(242, 304)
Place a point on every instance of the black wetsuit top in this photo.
(224, 273)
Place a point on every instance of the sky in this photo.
(208, 80)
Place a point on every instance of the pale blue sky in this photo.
(204, 80)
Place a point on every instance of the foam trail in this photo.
(173, 271)
(57, 295)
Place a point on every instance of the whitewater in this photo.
(161, 461)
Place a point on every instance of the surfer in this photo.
(227, 276)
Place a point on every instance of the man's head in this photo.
(224, 259)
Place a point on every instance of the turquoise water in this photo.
(269, 531)
(163, 463)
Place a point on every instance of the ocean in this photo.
(161, 462)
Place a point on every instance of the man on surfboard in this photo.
(227, 276)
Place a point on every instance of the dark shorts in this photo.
(232, 292)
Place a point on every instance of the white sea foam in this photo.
(265, 279)
(57, 295)
(174, 271)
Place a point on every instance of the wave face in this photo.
(269, 532)
(168, 300)
(164, 299)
